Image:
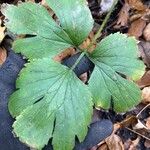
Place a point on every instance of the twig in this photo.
(142, 110)
(98, 34)
(138, 133)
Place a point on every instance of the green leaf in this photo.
(115, 54)
(75, 18)
(48, 104)
(48, 38)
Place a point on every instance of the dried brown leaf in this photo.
(145, 80)
(136, 28)
(87, 42)
(137, 5)
(103, 147)
(146, 95)
(142, 12)
(2, 34)
(145, 15)
(114, 142)
(3, 55)
(147, 144)
(68, 52)
(131, 145)
(144, 48)
(140, 125)
(123, 16)
(146, 33)
(128, 121)
(148, 122)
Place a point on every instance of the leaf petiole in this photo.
(97, 35)
(78, 60)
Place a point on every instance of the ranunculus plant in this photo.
(50, 100)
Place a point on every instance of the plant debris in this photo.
(146, 33)
(3, 55)
(2, 33)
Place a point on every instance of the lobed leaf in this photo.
(115, 54)
(47, 37)
(75, 18)
(47, 93)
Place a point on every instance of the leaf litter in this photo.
(3, 53)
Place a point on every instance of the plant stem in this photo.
(97, 35)
(78, 60)
(142, 110)
(138, 133)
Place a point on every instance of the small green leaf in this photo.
(48, 38)
(115, 54)
(47, 93)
